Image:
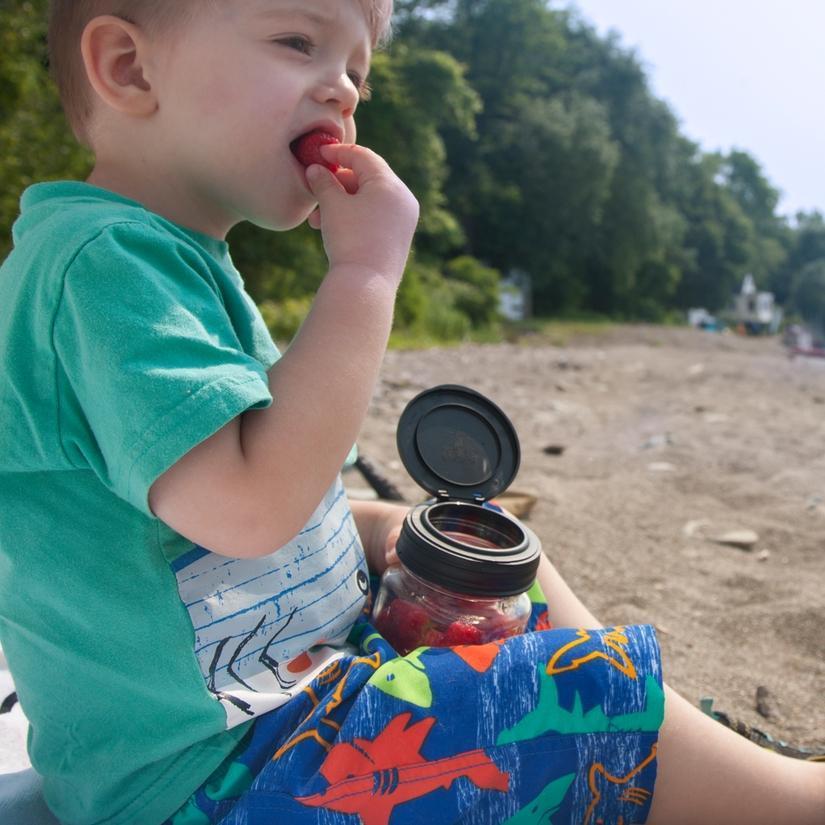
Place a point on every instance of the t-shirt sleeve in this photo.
(152, 361)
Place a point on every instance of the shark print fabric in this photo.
(553, 727)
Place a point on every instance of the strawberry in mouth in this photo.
(307, 149)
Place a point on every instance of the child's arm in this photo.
(251, 487)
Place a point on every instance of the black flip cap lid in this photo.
(458, 444)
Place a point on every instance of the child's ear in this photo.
(114, 52)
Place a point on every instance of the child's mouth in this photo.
(307, 148)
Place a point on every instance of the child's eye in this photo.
(364, 88)
(297, 42)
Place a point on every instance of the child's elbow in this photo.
(243, 529)
(224, 520)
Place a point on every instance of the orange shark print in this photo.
(615, 639)
(632, 795)
(327, 676)
(371, 778)
(479, 657)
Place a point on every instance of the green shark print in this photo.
(550, 716)
(406, 679)
(542, 808)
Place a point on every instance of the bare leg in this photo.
(707, 774)
(563, 605)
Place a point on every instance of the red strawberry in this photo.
(459, 633)
(403, 624)
(308, 149)
(495, 634)
(433, 638)
(500, 627)
(408, 614)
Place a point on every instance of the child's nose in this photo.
(341, 91)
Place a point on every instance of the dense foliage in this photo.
(532, 143)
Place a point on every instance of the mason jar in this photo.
(462, 578)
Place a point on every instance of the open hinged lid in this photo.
(457, 444)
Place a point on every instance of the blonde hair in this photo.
(379, 17)
(68, 20)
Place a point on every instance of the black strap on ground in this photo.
(765, 740)
(377, 480)
(8, 703)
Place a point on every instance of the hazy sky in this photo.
(748, 74)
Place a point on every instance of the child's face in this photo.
(238, 87)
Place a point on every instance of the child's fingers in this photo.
(390, 553)
(362, 161)
(348, 179)
(322, 182)
(314, 219)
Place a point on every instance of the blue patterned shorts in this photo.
(555, 726)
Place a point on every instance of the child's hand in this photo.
(390, 540)
(366, 214)
(385, 536)
(379, 524)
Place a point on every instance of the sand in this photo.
(668, 438)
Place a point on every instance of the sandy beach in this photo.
(645, 446)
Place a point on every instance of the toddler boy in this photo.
(147, 414)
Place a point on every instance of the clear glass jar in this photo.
(462, 579)
(411, 612)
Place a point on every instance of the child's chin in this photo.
(281, 223)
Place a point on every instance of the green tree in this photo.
(580, 175)
(35, 141)
(809, 294)
(475, 289)
(806, 245)
(530, 190)
(771, 239)
(636, 262)
(717, 239)
(419, 94)
(549, 179)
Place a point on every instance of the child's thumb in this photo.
(321, 181)
(390, 552)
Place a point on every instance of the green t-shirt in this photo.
(139, 658)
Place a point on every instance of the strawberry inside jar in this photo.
(409, 617)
